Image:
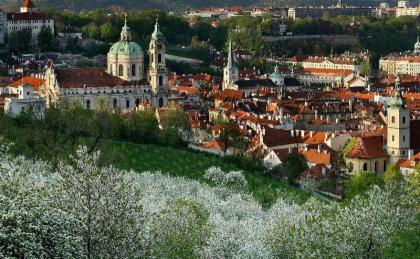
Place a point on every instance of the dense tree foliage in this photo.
(19, 41)
(362, 182)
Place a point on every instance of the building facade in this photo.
(26, 101)
(126, 58)
(402, 64)
(28, 18)
(94, 89)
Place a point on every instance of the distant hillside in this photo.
(79, 5)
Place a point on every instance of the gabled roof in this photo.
(28, 4)
(243, 84)
(87, 77)
(367, 148)
(278, 137)
(231, 95)
(26, 16)
(33, 81)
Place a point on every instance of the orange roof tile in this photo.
(36, 83)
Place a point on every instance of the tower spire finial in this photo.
(229, 62)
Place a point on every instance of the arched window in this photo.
(137, 102)
(127, 104)
(88, 104)
(120, 70)
(403, 119)
(159, 58)
(376, 166)
(115, 103)
(365, 167)
(160, 102)
(160, 80)
(393, 119)
(133, 70)
(151, 58)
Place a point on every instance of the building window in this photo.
(393, 138)
(393, 119)
(127, 104)
(365, 167)
(133, 70)
(151, 58)
(159, 58)
(376, 166)
(88, 104)
(403, 138)
(403, 119)
(160, 102)
(160, 80)
(120, 70)
(137, 102)
(115, 103)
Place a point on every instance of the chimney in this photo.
(319, 148)
(350, 105)
(311, 133)
(410, 153)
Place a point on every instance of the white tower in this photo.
(230, 72)
(158, 77)
(398, 122)
(417, 46)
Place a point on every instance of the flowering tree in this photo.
(84, 210)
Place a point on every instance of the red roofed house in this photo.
(35, 82)
(407, 166)
(368, 154)
(29, 18)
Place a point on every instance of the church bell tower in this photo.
(158, 74)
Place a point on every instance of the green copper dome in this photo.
(397, 101)
(126, 48)
(276, 76)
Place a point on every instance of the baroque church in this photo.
(123, 85)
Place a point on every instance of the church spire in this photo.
(125, 32)
(229, 61)
(397, 100)
(157, 34)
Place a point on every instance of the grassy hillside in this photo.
(192, 165)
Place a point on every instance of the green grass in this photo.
(189, 164)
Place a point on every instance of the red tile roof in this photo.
(26, 16)
(278, 137)
(33, 81)
(230, 95)
(367, 148)
(28, 4)
(87, 77)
